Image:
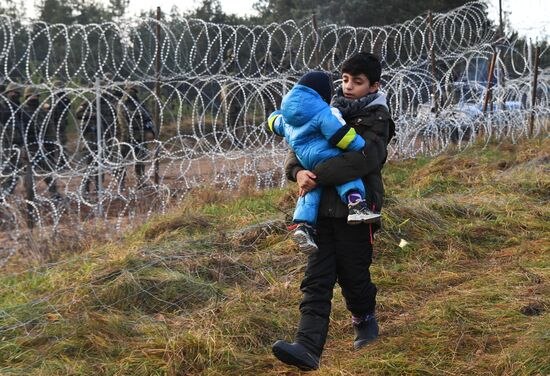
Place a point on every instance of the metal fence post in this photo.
(315, 40)
(99, 147)
(157, 99)
(29, 188)
(534, 91)
(431, 41)
(400, 96)
(489, 82)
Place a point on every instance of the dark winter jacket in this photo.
(371, 119)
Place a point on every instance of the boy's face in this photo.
(355, 87)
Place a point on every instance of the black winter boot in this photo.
(295, 354)
(366, 330)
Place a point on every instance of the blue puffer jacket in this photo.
(312, 128)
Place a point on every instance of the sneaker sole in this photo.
(289, 359)
(305, 246)
(358, 219)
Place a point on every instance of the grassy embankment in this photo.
(188, 293)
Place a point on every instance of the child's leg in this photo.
(305, 215)
(354, 188)
(353, 194)
(307, 207)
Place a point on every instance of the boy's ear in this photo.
(375, 87)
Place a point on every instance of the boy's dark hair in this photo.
(363, 63)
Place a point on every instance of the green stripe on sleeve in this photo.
(347, 139)
(271, 120)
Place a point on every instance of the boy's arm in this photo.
(338, 133)
(356, 164)
(346, 167)
(307, 181)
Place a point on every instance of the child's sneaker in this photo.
(360, 213)
(303, 236)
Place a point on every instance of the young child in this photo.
(316, 132)
(345, 252)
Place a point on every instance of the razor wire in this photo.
(40, 53)
(95, 130)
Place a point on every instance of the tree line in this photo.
(357, 13)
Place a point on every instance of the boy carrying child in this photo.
(316, 132)
(344, 251)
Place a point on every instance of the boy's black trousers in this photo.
(344, 256)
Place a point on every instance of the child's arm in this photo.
(275, 123)
(340, 134)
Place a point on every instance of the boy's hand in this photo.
(306, 181)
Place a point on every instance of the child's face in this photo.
(355, 87)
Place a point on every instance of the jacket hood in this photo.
(301, 104)
(379, 100)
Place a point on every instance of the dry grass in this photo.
(207, 288)
(170, 223)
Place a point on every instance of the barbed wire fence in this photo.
(115, 120)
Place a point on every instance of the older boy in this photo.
(345, 252)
